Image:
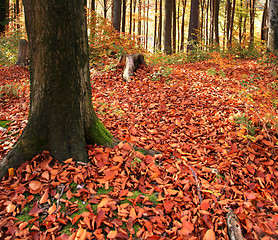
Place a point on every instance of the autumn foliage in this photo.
(215, 124)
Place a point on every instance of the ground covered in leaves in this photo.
(215, 123)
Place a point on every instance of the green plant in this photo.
(246, 123)
(10, 91)
(163, 72)
(212, 72)
(5, 123)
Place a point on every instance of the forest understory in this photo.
(215, 124)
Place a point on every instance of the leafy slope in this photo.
(210, 162)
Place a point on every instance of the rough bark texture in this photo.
(168, 27)
(22, 53)
(117, 14)
(193, 24)
(4, 9)
(130, 63)
(61, 117)
(273, 26)
(234, 230)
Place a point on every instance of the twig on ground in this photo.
(59, 198)
(197, 185)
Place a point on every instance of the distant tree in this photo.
(193, 24)
(61, 116)
(4, 11)
(159, 38)
(252, 22)
(264, 26)
(174, 14)
(182, 24)
(273, 26)
(168, 27)
(155, 26)
(130, 17)
(124, 15)
(117, 5)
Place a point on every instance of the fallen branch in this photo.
(197, 185)
(233, 225)
(59, 198)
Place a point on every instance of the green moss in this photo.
(99, 134)
(23, 216)
(5, 123)
(101, 191)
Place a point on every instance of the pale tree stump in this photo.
(130, 63)
(22, 53)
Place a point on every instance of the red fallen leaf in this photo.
(69, 194)
(250, 169)
(109, 174)
(44, 197)
(168, 205)
(20, 189)
(209, 235)
(35, 210)
(149, 226)
(10, 208)
(154, 237)
(75, 219)
(205, 205)
(126, 146)
(187, 228)
(63, 237)
(103, 203)
(35, 186)
(207, 220)
(100, 217)
(250, 195)
(112, 234)
(275, 218)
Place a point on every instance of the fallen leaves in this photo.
(122, 193)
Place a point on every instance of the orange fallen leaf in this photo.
(35, 186)
(209, 235)
(112, 234)
(103, 202)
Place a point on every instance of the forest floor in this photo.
(215, 123)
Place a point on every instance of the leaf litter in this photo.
(218, 140)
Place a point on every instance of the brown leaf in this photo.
(35, 210)
(35, 186)
(209, 235)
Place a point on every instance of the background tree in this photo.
(4, 10)
(61, 118)
(168, 27)
(124, 15)
(117, 5)
(264, 27)
(273, 26)
(193, 24)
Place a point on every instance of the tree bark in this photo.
(193, 25)
(117, 14)
(273, 27)
(22, 53)
(264, 27)
(130, 17)
(155, 27)
(182, 24)
(130, 64)
(252, 22)
(159, 40)
(174, 14)
(124, 16)
(4, 10)
(61, 116)
(168, 27)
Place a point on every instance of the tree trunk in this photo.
(159, 40)
(273, 26)
(105, 8)
(22, 53)
(252, 22)
(264, 27)
(193, 25)
(130, 63)
(155, 27)
(147, 25)
(130, 17)
(174, 14)
(240, 25)
(61, 115)
(124, 16)
(168, 27)
(182, 25)
(139, 20)
(117, 14)
(216, 21)
(4, 10)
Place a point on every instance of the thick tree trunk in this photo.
(193, 24)
(264, 27)
(174, 14)
(4, 10)
(130, 63)
(61, 117)
(117, 14)
(22, 53)
(124, 16)
(182, 24)
(168, 27)
(273, 26)
(159, 40)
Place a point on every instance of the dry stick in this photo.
(233, 226)
(58, 200)
(197, 185)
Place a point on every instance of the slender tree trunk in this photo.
(264, 27)
(174, 15)
(273, 27)
(182, 24)
(216, 21)
(130, 17)
(178, 24)
(61, 115)
(207, 23)
(228, 19)
(212, 23)
(93, 5)
(117, 14)
(105, 8)
(232, 22)
(193, 25)
(252, 22)
(155, 27)
(147, 22)
(134, 11)
(160, 27)
(168, 27)
(124, 16)
(240, 24)
(139, 30)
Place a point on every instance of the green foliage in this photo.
(9, 91)
(163, 72)
(5, 123)
(9, 47)
(245, 122)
